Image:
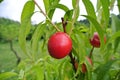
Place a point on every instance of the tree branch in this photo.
(91, 52)
(46, 16)
(12, 49)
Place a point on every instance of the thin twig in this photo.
(72, 61)
(64, 23)
(46, 16)
(13, 50)
(91, 52)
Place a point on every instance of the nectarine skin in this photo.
(84, 69)
(59, 45)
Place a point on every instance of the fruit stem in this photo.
(91, 52)
(73, 61)
(46, 16)
(64, 23)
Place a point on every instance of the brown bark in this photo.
(13, 50)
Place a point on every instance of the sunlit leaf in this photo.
(91, 12)
(36, 37)
(62, 7)
(98, 5)
(115, 24)
(79, 45)
(68, 15)
(76, 10)
(115, 37)
(105, 6)
(7, 75)
(50, 6)
(89, 8)
(47, 5)
(39, 71)
(27, 12)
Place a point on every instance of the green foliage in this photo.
(1, 1)
(89, 8)
(9, 32)
(51, 5)
(8, 29)
(118, 3)
(36, 37)
(46, 66)
(7, 75)
(115, 23)
(106, 12)
(104, 68)
(25, 19)
(38, 65)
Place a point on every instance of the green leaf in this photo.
(118, 3)
(50, 13)
(47, 5)
(39, 71)
(27, 12)
(89, 8)
(36, 37)
(91, 12)
(105, 6)
(102, 70)
(59, 6)
(68, 15)
(112, 4)
(79, 45)
(21, 74)
(7, 75)
(115, 23)
(89, 69)
(74, 3)
(98, 5)
(63, 7)
(113, 37)
(98, 28)
(116, 44)
(76, 12)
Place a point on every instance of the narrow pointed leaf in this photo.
(115, 24)
(27, 12)
(36, 37)
(6, 75)
(105, 6)
(118, 3)
(89, 8)
(47, 5)
(102, 70)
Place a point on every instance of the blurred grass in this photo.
(7, 57)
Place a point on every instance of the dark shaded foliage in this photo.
(1, 1)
